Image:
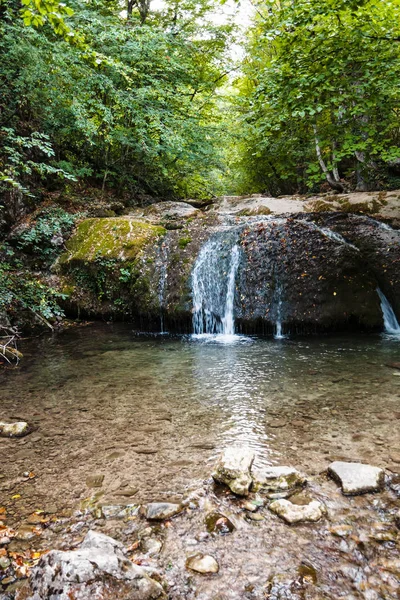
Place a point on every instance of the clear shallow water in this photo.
(153, 412)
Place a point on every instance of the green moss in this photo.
(118, 238)
(184, 241)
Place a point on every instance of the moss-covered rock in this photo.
(120, 238)
(108, 268)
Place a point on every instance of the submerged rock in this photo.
(277, 482)
(158, 511)
(202, 563)
(98, 569)
(297, 513)
(118, 511)
(357, 478)
(19, 429)
(218, 522)
(233, 469)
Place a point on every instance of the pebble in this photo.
(202, 563)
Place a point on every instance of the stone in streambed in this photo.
(98, 569)
(297, 513)
(158, 511)
(19, 429)
(357, 478)
(202, 563)
(277, 482)
(218, 522)
(233, 469)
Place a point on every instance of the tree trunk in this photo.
(333, 182)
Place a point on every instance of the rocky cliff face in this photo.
(313, 271)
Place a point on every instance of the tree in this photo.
(326, 73)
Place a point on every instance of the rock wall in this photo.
(321, 270)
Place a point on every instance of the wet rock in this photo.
(277, 482)
(394, 365)
(95, 481)
(151, 546)
(341, 530)
(98, 569)
(395, 457)
(397, 519)
(218, 522)
(295, 513)
(5, 562)
(19, 429)
(202, 563)
(357, 478)
(158, 511)
(277, 423)
(233, 469)
(119, 512)
(172, 210)
(255, 517)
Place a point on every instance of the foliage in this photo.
(22, 291)
(133, 108)
(45, 239)
(20, 160)
(319, 95)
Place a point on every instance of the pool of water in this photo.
(152, 412)
(148, 415)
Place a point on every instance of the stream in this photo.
(121, 417)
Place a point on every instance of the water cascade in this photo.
(332, 235)
(228, 322)
(278, 325)
(213, 286)
(390, 321)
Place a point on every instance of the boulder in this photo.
(19, 429)
(296, 513)
(202, 563)
(277, 482)
(98, 569)
(158, 511)
(172, 210)
(233, 469)
(357, 478)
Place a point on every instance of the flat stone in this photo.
(233, 469)
(158, 511)
(357, 478)
(19, 429)
(395, 457)
(394, 365)
(98, 569)
(202, 563)
(277, 423)
(117, 511)
(295, 513)
(255, 517)
(95, 481)
(277, 482)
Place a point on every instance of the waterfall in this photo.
(278, 325)
(213, 286)
(332, 235)
(390, 321)
(228, 322)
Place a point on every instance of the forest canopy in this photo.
(133, 100)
